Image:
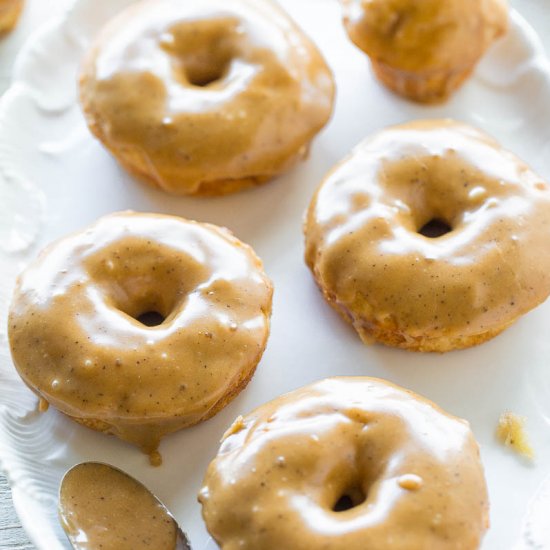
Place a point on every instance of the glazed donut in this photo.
(371, 246)
(424, 50)
(205, 97)
(80, 340)
(347, 464)
(10, 11)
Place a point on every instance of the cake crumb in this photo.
(511, 433)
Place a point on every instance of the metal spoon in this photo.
(100, 504)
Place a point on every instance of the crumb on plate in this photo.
(511, 432)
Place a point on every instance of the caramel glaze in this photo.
(411, 474)
(427, 35)
(408, 290)
(424, 49)
(77, 342)
(205, 97)
(102, 508)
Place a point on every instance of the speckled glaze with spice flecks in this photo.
(102, 508)
(205, 97)
(410, 473)
(405, 289)
(77, 341)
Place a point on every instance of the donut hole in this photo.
(147, 305)
(202, 51)
(150, 311)
(207, 67)
(435, 228)
(202, 75)
(151, 318)
(147, 301)
(143, 282)
(351, 498)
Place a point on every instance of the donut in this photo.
(430, 237)
(347, 463)
(141, 324)
(205, 97)
(10, 11)
(424, 50)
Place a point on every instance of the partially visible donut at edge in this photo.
(347, 463)
(205, 97)
(424, 50)
(10, 12)
(141, 324)
(371, 246)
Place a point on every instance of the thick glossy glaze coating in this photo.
(411, 474)
(102, 508)
(205, 96)
(77, 342)
(364, 246)
(424, 50)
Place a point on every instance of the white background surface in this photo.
(308, 342)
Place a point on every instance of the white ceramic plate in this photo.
(56, 178)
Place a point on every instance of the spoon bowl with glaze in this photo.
(101, 507)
